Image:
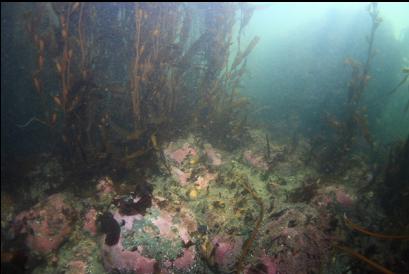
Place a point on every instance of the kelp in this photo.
(391, 191)
(242, 55)
(401, 83)
(250, 240)
(377, 235)
(166, 72)
(371, 263)
(63, 45)
(354, 122)
(363, 230)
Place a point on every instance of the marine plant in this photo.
(353, 124)
(371, 263)
(146, 234)
(393, 188)
(401, 83)
(250, 240)
(363, 230)
(116, 80)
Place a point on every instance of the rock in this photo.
(214, 157)
(255, 160)
(105, 191)
(77, 267)
(180, 154)
(185, 261)
(227, 251)
(146, 240)
(118, 258)
(47, 224)
(334, 195)
(105, 187)
(181, 176)
(89, 222)
(299, 243)
(203, 181)
(265, 265)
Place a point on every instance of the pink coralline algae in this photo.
(127, 220)
(296, 245)
(270, 264)
(77, 267)
(89, 222)
(105, 187)
(181, 176)
(214, 157)
(334, 195)
(265, 265)
(185, 261)
(167, 228)
(117, 257)
(256, 161)
(48, 222)
(227, 251)
(180, 154)
(203, 181)
(343, 198)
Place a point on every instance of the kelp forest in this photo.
(126, 78)
(170, 137)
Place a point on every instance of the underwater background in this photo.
(204, 138)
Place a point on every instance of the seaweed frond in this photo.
(364, 259)
(249, 242)
(363, 230)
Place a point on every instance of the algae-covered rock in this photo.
(159, 239)
(47, 224)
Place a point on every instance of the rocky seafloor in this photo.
(255, 210)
